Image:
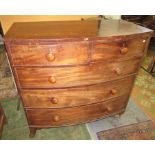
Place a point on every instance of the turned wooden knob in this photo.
(54, 100)
(113, 91)
(50, 57)
(117, 71)
(144, 41)
(85, 39)
(56, 118)
(124, 50)
(52, 79)
(109, 109)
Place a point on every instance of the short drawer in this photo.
(59, 98)
(60, 77)
(75, 115)
(118, 50)
(58, 54)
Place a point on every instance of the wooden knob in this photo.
(56, 118)
(52, 79)
(109, 109)
(124, 50)
(85, 39)
(117, 71)
(113, 91)
(50, 57)
(144, 41)
(54, 100)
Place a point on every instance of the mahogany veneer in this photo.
(63, 54)
(76, 96)
(71, 72)
(74, 115)
(48, 77)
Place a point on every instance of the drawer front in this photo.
(59, 98)
(103, 51)
(68, 116)
(58, 77)
(53, 55)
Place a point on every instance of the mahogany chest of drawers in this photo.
(71, 72)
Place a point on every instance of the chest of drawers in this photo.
(72, 72)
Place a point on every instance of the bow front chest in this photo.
(71, 72)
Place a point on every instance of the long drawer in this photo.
(118, 50)
(58, 77)
(52, 55)
(75, 115)
(59, 98)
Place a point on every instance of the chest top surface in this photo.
(73, 29)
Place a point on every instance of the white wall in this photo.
(113, 16)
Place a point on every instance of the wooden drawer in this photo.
(118, 50)
(58, 77)
(59, 98)
(53, 55)
(75, 115)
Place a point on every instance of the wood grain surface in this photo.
(104, 51)
(58, 98)
(73, 29)
(40, 77)
(63, 54)
(75, 115)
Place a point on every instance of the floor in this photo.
(132, 115)
(141, 107)
(144, 89)
(7, 87)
